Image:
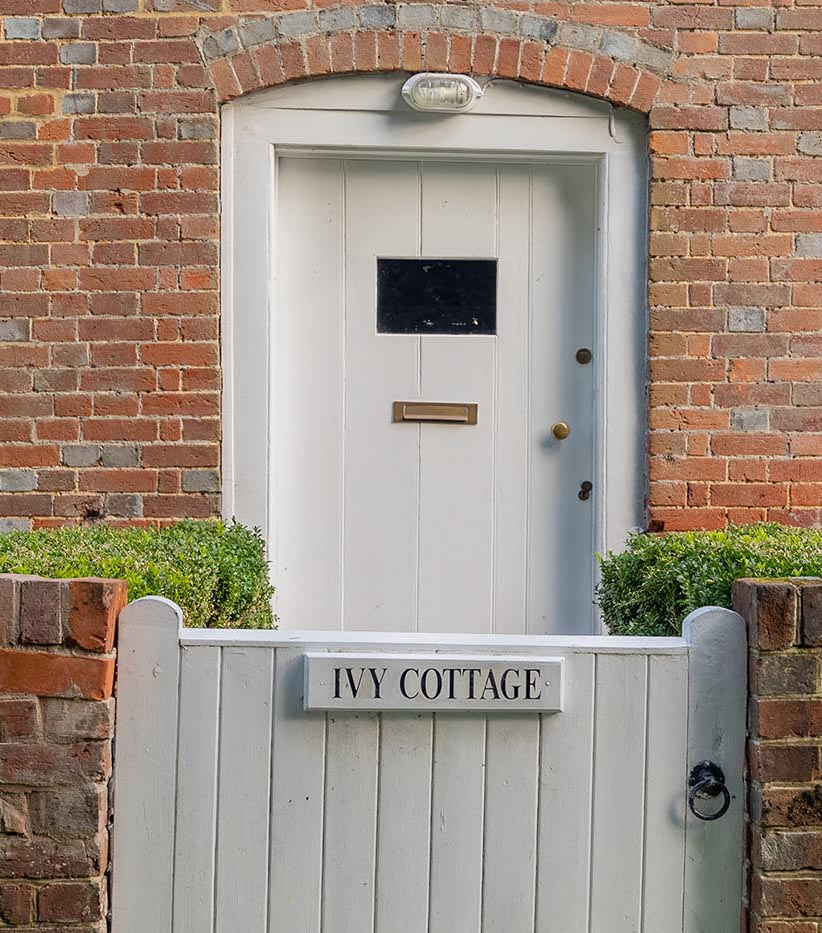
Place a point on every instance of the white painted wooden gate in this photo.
(238, 812)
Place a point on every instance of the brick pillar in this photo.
(784, 753)
(56, 722)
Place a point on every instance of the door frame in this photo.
(364, 116)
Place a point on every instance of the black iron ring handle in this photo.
(709, 787)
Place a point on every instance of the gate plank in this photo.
(511, 776)
(564, 831)
(665, 802)
(144, 784)
(716, 732)
(245, 776)
(404, 823)
(196, 790)
(619, 793)
(456, 823)
(349, 847)
(297, 771)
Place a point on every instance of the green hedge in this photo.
(216, 573)
(651, 586)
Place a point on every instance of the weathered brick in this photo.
(19, 719)
(812, 614)
(14, 814)
(75, 812)
(787, 673)
(39, 764)
(17, 902)
(94, 605)
(42, 858)
(770, 609)
(42, 610)
(72, 720)
(71, 901)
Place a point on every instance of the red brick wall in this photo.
(785, 753)
(56, 722)
(109, 229)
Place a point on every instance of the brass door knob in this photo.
(561, 430)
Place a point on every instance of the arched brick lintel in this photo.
(242, 59)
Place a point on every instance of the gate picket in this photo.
(404, 823)
(665, 773)
(509, 847)
(564, 831)
(297, 772)
(457, 798)
(619, 793)
(349, 844)
(244, 782)
(194, 853)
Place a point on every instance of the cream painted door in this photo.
(403, 527)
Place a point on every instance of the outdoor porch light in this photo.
(441, 92)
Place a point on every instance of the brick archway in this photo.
(256, 52)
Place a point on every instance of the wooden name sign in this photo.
(484, 683)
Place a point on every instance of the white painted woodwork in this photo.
(197, 757)
(148, 664)
(511, 796)
(240, 888)
(666, 750)
(619, 793)
(383, 527)
(457, 823)
(349, 825)
(716, 732)
(297, 807)
(565, 796)
(404, 823)
(238, 810)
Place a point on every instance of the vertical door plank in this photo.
(564, 837)
(297, 771)
(665, 803)
(512, 429)
(457, 823)
(381, 458)
(308, 394)
(350, 822)
(403, 823)
(143, 840)
(195, 842)
(457, 467)
(619, 793)
(245, 778)
(561, 530)
(509, 846)
(716, 732)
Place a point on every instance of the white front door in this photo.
(465, 282)
(377, 259)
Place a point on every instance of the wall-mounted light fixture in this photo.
(444, 93)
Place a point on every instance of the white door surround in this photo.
(365, 118)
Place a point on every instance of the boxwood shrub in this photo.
(651, 586)
(216, 573)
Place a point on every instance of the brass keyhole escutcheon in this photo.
(584, 355)
(561, 430)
